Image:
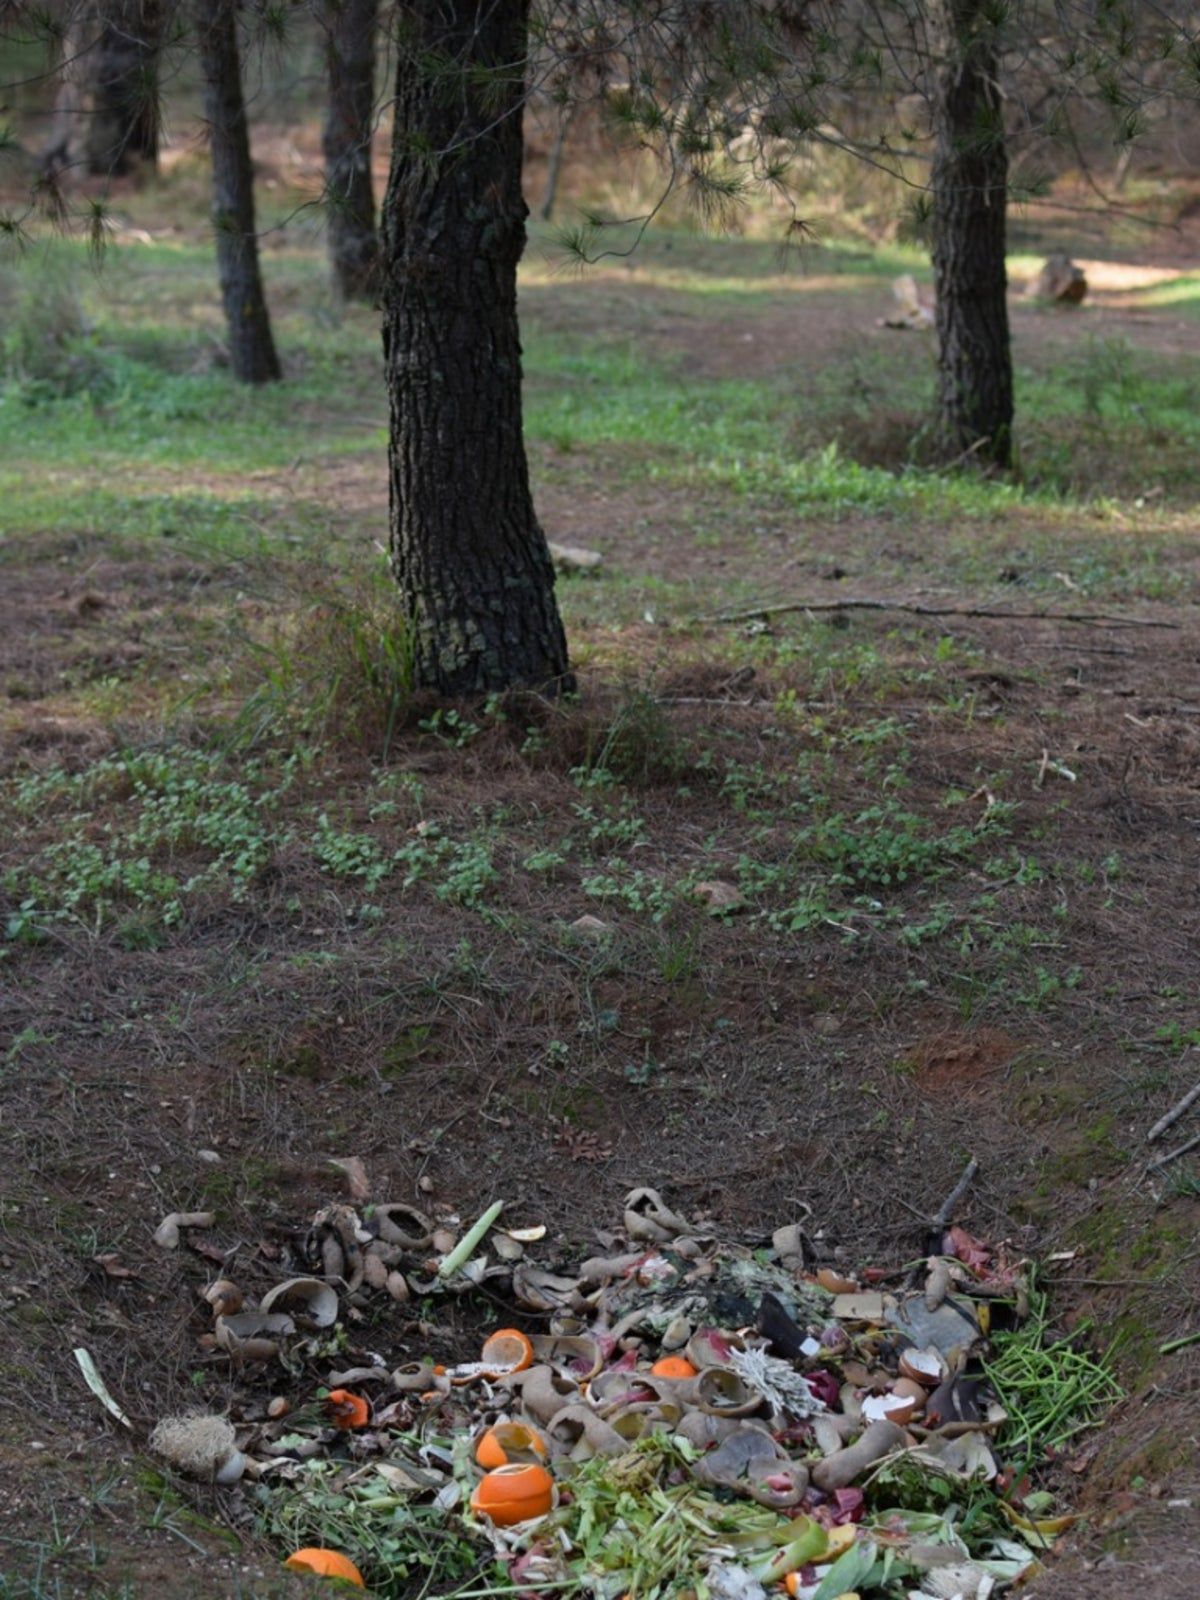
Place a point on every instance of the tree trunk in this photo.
(123, 130)
(63, 148)
(467, 550)
(251, 348)
(554, 162)
(350, 58)
(970, 196)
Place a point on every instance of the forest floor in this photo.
(263, 907)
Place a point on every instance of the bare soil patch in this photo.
(818, 322)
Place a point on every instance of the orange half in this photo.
(326, 1564)
(508, 1441)
(514, 1493)
(506, 1350)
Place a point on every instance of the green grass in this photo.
(185, 825)
(148, 438)
(140, 843)
(716, 266)
(713, 434)
(717, 433)
(1181, 294)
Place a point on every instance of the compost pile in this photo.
(676, 1415)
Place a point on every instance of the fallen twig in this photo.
(1174, 1155)
(1174, 1114)
(940, 1219)
(942, 1216)
(703, 700)
(1103, 619)
(1093, 649)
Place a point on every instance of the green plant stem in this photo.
(462, 1250)
(1179, 1344)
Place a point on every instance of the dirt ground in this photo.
(748, 1070)
(791, 1071)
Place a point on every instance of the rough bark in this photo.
(122, 131)
(467, 550)
(970, 195)
(251, 348)
(350, 62)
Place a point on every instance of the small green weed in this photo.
(399, 796)
(642, 1073)
(1175, 1038)
(24, 1040)
(936, 922)
(884, 847)
(450, 728)
(1184, 1184)
(460, 871)
(546, 862)
(640, 892)
(678, 957)
(638, 746)
(753, 790)
(185, 827)
(349, 855)
(1048, 987)
(619, 825)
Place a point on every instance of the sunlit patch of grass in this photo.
(169, 447)
(744, 270)
(215, 519)
(1182, 294)
(716, 433)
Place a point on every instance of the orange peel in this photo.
(505, 1442)
(515, 1492)
(347, 1410)
(506, 1350)
(326, 1564)
(673, 1367)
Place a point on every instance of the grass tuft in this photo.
(337, 667)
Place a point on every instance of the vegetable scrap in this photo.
(677, 1416)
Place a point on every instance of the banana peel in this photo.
(802, 1549)
(814, 1546)
(1039, 1532)
(839, 1541)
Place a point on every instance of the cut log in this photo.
(1059, 279)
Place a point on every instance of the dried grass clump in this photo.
(198, 1444)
